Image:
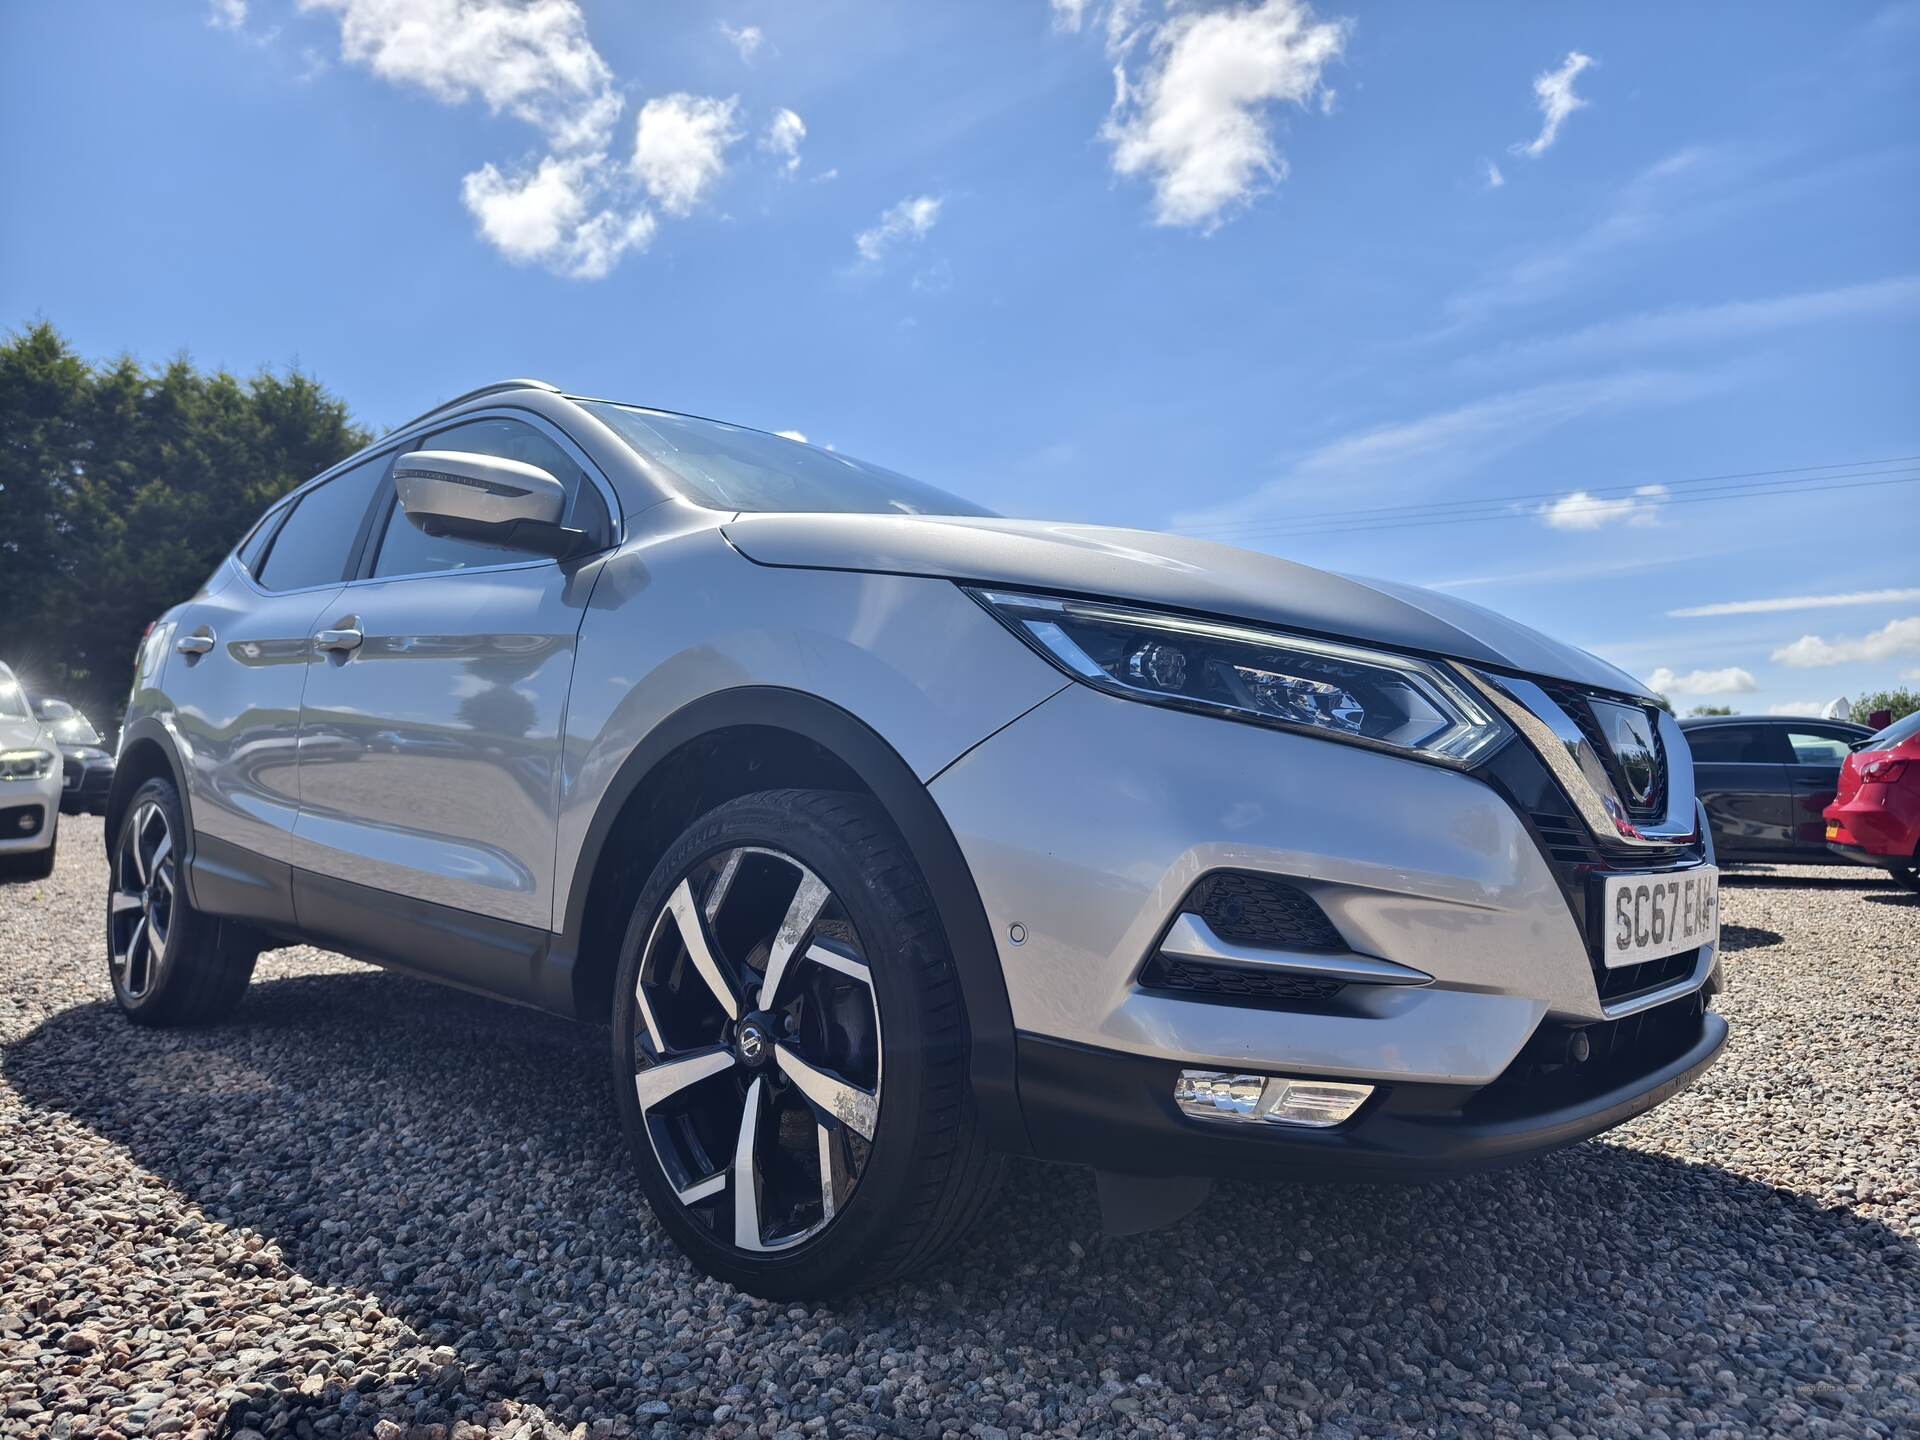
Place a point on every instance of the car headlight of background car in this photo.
(25, 764)
(1343, 692)
(86, 754)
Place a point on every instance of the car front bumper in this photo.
(85, 784)
(1086, 825)
(29, 800)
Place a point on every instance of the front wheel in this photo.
(790, 1050)
(169, 964)
(1907, 875)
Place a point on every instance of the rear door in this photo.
(1740, 775)
(1813, 773)
(430, 738)
(242, 652)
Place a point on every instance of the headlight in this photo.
(25, 764)
(1342, 692)
(87, 754)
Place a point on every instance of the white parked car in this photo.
(30, 777)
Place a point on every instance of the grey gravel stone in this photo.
(367, 1206)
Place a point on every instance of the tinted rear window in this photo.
(1895, 733)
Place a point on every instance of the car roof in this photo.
(1698, 722)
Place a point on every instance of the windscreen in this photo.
(728, 467)
(74, 729)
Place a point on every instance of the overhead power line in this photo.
(1809, 479)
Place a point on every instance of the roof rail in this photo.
(492, 389)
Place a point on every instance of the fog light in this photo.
(1267, 1099)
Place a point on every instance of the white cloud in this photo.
(747, 39)
(1581, 511)
(1554, 91)
(1195, 122)
(1796, 602)
(1447, 445)
(1799, 707)
(791, 435)
(911, 219)
(1913, 674)
(550, 217)
(1897, 637)
(1494, 178)
(1730, 681)
(680, 147)
(1068, 15)
(226, 14)
(532, 61)
(784, 133)
(1713, 324)
(576, 208)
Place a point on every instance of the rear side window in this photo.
(406, 549)
(255, 545)
(1818, 747)
(315, 542)
(1752, 744)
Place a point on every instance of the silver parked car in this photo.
(892, 837)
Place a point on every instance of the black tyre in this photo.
(1907, 875)
(790, 1050)
(170, 965)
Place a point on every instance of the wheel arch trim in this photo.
(908, 804)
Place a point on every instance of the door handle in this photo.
(194, 644)
(340, 641)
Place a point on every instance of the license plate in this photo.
(1652, 916)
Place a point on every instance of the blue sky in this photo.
(1240, 269)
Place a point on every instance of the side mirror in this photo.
(485, 498)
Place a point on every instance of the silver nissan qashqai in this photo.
(893, 838)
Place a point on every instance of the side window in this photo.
(314, 543)
(406, 549)
(1818, 747)
(1752, 744)
(255, 545)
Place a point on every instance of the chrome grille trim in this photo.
(1569, 753)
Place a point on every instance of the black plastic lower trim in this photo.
(1116, 1112)
(234, 883)
(475, 952)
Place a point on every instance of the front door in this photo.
(430, 738)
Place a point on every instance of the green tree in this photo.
(1902, 702)
(1712, 710)
(120, 489)
(1663, 702)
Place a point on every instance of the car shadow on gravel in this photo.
(458, 1161)
(1748, 937)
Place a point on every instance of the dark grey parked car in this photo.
(1766, 779)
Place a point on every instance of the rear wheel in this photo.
(790, 1050)
(1907, 875)
(169, 964)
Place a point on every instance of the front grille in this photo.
(1246, 909)
(1574, 701)
(1233, 982)
(21, 822)
(1628, 981)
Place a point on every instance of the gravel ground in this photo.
(368, 1205)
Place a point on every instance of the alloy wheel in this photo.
(141, 908)
(757, 1049)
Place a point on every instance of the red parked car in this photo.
(1875, 815)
